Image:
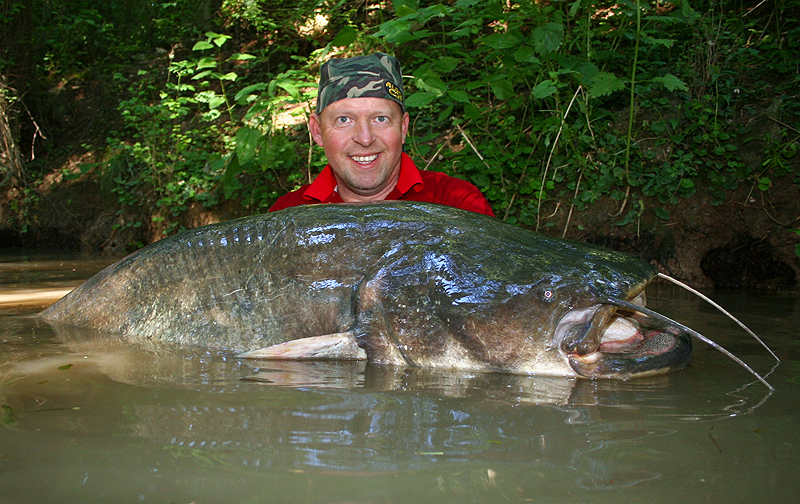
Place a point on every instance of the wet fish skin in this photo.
(417, 284)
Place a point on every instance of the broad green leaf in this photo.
(501, 41)
(502, 89)
(432, 83)
(420, 99)
(544, 89)
(230, 76)
(444, 114)
(206, 63)
(241, 57)
(216, 102)
(605, 83)
(472, 111)
(202, 74)
(547, 38)
(657, 41)
(256, 109)
(526, 54)
(447, 63)
(345, 37)
(201, 46)
(672, 83)
(573, 9)
(405, 7)
(218, 39)
(459, 96)
(662, 213)
(395, 31)
(246, 144)
(245, 95)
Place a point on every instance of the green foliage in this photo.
(160, 160)
(526, 100)
(541, 105)
(525, 90)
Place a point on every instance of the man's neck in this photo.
(354, 197)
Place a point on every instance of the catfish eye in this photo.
(548, 295)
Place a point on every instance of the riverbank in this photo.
(747, 241)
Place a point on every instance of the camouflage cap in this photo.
(373, 76)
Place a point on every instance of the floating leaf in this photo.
(65, 367)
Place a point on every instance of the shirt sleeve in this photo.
(462, 194)
(291, 199)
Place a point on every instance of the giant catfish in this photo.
(407, 284)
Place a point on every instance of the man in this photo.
(361, 123)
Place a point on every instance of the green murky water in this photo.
(87, 419)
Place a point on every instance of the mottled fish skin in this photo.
(417, 283)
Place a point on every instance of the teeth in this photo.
(364, 159)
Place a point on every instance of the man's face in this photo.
(363, 140)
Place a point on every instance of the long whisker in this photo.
(718, 307)
(655, 315)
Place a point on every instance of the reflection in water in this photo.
(89, 418)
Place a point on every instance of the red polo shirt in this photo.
(412, 185)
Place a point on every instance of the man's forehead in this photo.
(356, 106)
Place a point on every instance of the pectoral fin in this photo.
(341, 346)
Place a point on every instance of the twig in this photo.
(472, 145)
(552, 150)
(572, 204)
(785, 125)
(447, 139)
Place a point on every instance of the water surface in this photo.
(88, 419)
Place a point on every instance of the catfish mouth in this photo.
(611, 341)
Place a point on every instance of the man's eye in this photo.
(342, 120)
(382, 119)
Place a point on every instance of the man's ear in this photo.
(404, 126)
(315, 129)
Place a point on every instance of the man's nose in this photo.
(363, 133)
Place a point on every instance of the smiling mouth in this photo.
(364, 159)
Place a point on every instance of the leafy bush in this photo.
(543, 105)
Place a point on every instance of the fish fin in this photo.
(341, 346)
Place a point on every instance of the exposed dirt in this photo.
(746, 242)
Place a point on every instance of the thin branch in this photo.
(550, 157)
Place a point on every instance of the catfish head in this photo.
(552, 326)
(614, 339)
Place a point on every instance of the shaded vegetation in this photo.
(547, 107)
